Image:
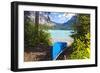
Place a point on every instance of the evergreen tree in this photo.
(81, 45)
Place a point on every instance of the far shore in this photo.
(69, 40)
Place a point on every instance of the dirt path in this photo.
(37, 54)
(43, 54)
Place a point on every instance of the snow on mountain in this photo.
(56, 19)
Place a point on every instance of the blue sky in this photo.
(60, 17)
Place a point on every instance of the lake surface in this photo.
(61, 35)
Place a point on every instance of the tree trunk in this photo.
(36, 25)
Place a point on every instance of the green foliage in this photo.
(34, 36)
(80, 51)
(45, 26)
(44, 37)
(81, 44)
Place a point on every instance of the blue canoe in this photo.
(58, 48)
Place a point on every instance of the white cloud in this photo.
(59, 16)
(69, 16)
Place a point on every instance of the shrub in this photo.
(33, 37)
(80, 51)
(81, 44)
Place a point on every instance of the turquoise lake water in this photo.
(60, 33)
